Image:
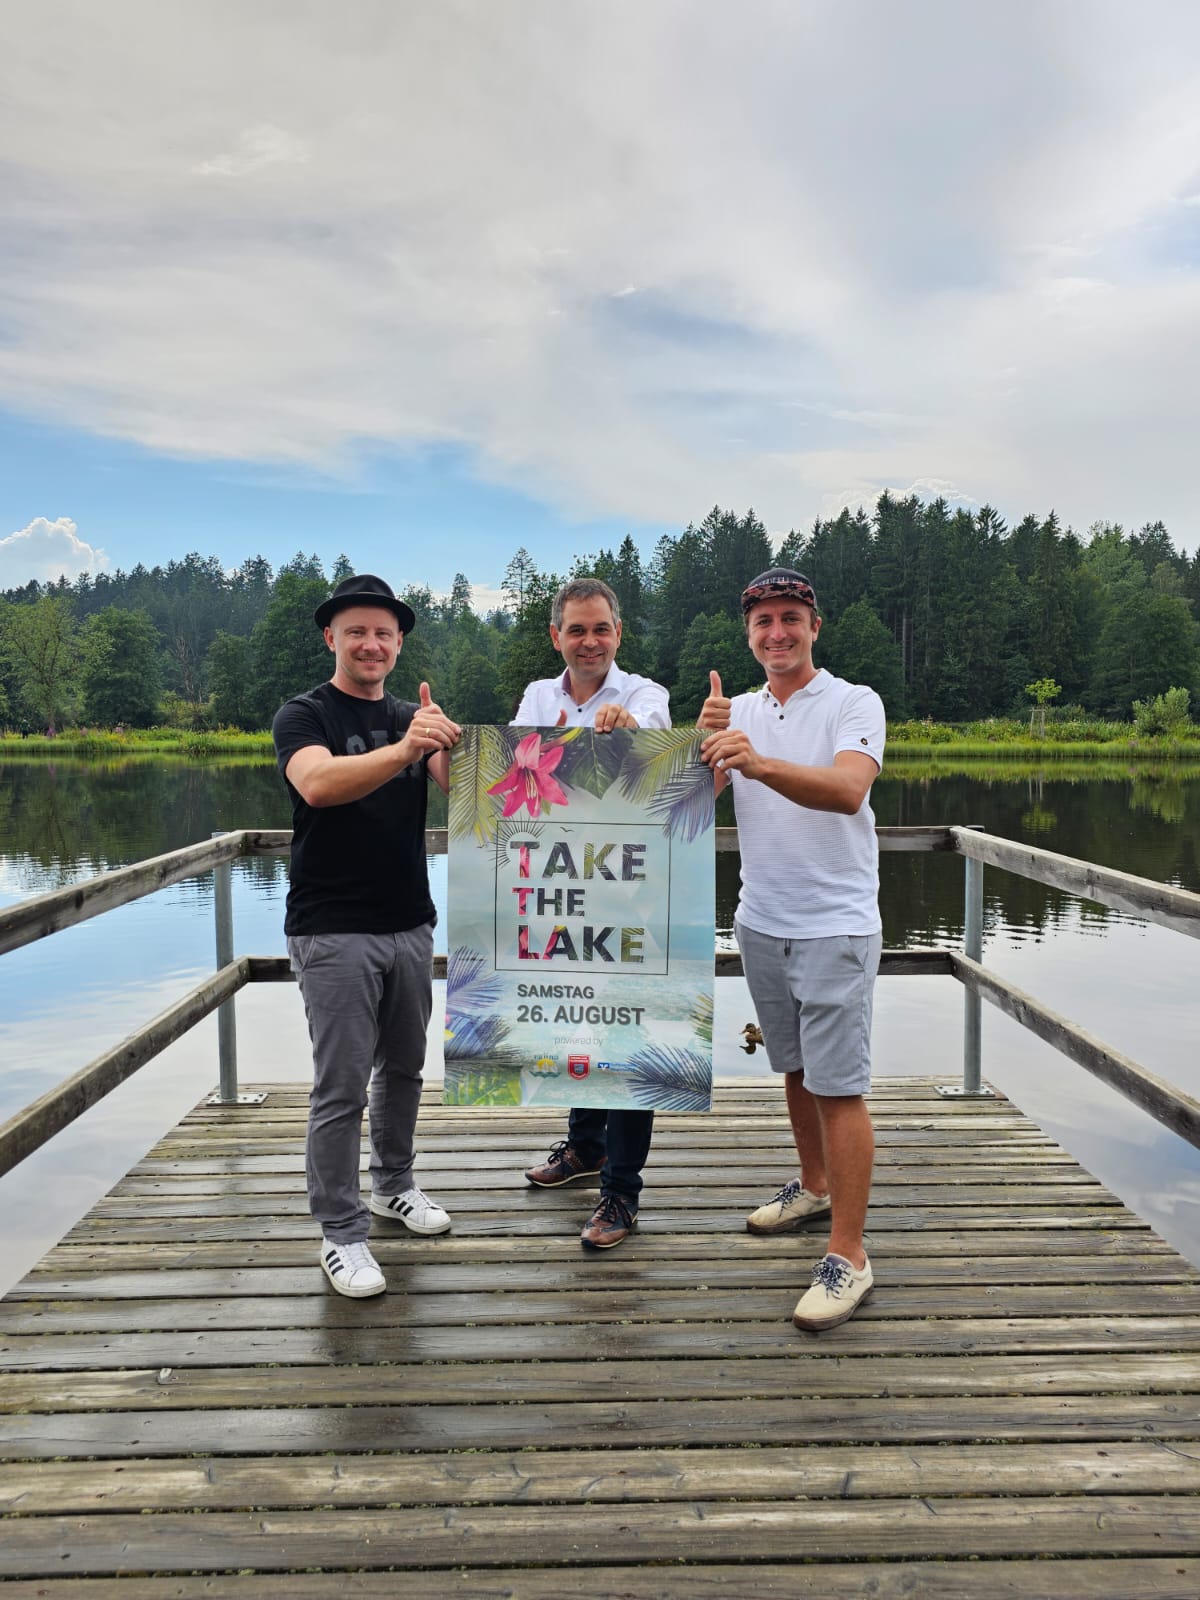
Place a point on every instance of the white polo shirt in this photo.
(808, 874)
(645, 700)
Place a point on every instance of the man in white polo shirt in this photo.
(593, 692)
(802, 754)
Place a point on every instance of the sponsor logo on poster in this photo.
(578, 1066)
(546, 1067)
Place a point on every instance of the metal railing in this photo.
(37, 918)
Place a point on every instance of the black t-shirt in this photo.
(360, 867)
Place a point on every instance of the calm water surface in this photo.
(66, 999)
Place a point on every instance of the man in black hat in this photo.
(359, 920)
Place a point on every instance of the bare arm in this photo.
(841, 787)
(439, 769)
(323, 779)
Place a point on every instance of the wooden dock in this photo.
(188, 1410)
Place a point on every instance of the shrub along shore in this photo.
(994, 740)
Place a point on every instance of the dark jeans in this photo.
(622, 1138)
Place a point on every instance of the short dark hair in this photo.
(583, 589)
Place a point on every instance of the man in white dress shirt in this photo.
(593, 692)
(585, 629)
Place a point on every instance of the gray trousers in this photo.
(368, 998)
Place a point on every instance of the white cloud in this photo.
(46, 551)
(853, 263)
(485, 598)
(263, 146)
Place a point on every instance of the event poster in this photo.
(580, 969)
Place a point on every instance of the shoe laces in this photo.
(613, 1209)
(831, 1274)
(788, 1193)
(357, 1257)
(560, 1154)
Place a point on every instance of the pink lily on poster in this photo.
(529, 781)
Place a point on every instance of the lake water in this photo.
(66, 999)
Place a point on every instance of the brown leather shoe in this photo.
(562, 1165)
(610, 1224)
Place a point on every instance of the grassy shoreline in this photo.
(993, 741)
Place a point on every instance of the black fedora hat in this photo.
(365, 589)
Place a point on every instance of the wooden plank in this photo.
(1162, 903)
(394, 1247)
(552, 1382)
(644, 1422)
(656, 1220)
(602, 1304)
(1161, 1100)
(1114, 1578)
(43, 914)
(136, 1192)
(607, 1274)
(618, 1477)
(222, 1347)
(726, 964)
(516, 1201)
(775, 1163)
(562, 1535)
(39, 1121)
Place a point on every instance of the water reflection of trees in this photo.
(1164, 797)
(63, 820)
(1148, 825)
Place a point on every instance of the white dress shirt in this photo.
(543, 700)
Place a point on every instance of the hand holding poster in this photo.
(581, 919)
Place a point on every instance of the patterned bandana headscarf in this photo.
(781, 583)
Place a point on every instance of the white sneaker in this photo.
(415, 1210)
(791, 1208)
(351, 1269)
(837, 1292)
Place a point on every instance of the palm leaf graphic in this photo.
(670, 1079)
(471, 984)
(468, 1038)
(658, 757)
(702, 1017)
(473, 991)
(592, 760)
(481, 758)
(482, 1089)
(686, 805)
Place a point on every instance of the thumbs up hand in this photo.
(430, 729)
(714, 713)
(562, 718)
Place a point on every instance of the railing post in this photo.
(972, 1084)
(227, 1094)
(972, 1002)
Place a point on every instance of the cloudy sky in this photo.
(424, 282)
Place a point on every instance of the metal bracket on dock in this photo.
(244, 1097)
(959, 1091)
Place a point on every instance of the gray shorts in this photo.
(814, 998)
